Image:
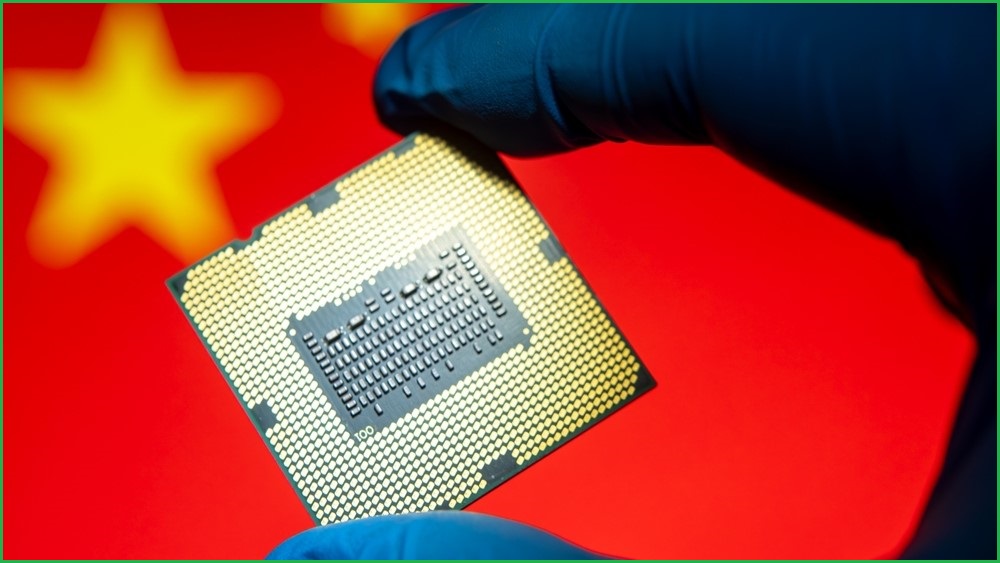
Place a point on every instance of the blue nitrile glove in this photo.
(885, 113)
(430, 535)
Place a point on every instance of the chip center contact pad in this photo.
(417, 330)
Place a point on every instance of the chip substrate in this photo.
(410, 335)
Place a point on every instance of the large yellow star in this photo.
(132, 140)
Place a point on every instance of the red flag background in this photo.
(807, 378)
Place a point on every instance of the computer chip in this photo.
(409, 336)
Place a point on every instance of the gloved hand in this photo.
(884, 113)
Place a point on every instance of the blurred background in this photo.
(807, 378)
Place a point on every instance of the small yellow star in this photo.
(132, 140)
(369, 27)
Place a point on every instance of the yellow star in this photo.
(132, 140)
(369, 27)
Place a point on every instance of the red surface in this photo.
(807, 379)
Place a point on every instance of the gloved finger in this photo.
(429, 535)
(840, 102)
(539, 79)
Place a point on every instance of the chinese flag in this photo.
(808, 379)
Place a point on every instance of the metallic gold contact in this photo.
(577, 368)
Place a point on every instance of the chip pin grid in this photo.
(409, 336)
